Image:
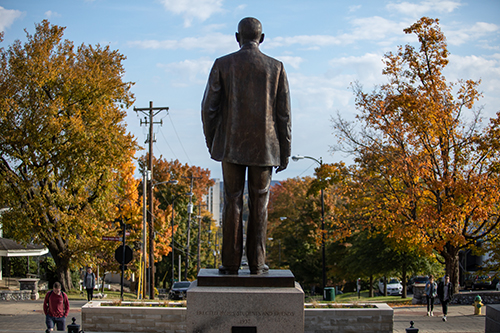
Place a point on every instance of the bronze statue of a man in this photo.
(247, 126)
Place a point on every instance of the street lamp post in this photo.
(173, 254)
(296, 158)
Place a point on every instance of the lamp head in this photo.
(295, 158)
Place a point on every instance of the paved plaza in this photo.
(460, 319)
(27, 317)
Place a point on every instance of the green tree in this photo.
(63, 141)
(295, 229)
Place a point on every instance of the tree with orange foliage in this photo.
(170, 197)
(426, 170)
(63, 141)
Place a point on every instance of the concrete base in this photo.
(245, 309)
(30, 284)
(492, 318)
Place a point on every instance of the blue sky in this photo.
(170, 47)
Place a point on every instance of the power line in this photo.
(166, 141)
(306, 169)
(178, 138)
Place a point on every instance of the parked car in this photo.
(416, 280)
(179, 290)
(474, 281)
(394, 287)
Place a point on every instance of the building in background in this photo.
(213, 201)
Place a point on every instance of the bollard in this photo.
(411, 329)
(73, 328)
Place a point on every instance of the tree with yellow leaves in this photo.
(63, 142)
(427, 171)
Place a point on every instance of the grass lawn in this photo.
(342, 298)
(111, 295)
(353, 298)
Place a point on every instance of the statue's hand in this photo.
(280, 168)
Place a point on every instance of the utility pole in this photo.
(145, 178)
(190, 211)
(151, 112)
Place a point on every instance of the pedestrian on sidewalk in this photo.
(445, 294)
(89, 283)
(56, 308)
(430, 292)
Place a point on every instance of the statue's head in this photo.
(249, 30)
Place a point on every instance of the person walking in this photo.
(55, 308)
(430, 292)
(246, 118)
(89, 283)
(445, 294)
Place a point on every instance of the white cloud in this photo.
(417, 9)
(484, 68)
(292, 61)
(215, 42)
(466, 34)
(193, 9)
(311, 41)
(366, 68)
(50, 14)
(354, 8)
(188, 72)
(375, 28)
(7, 17)
(371, 28)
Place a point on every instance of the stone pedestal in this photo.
(30, 284)
(249, 304)
(492, 318)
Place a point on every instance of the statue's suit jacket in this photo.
(246, 109)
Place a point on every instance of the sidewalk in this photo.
(27, 317)
(460, 319)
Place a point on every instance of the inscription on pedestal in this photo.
(243, 317)
(245, 309)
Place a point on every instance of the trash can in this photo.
(329, 294)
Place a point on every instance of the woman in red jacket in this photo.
(56, 308)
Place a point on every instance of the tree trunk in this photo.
(371, 286)
(64, 277)
(385, 286)
(102, 281)
(403, 293)
(450, 254)
(62, 269)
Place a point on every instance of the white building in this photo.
(213, 201)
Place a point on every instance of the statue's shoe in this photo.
(228, 271)
(259, 270)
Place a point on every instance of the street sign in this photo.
(119, 254)
(110, 238)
